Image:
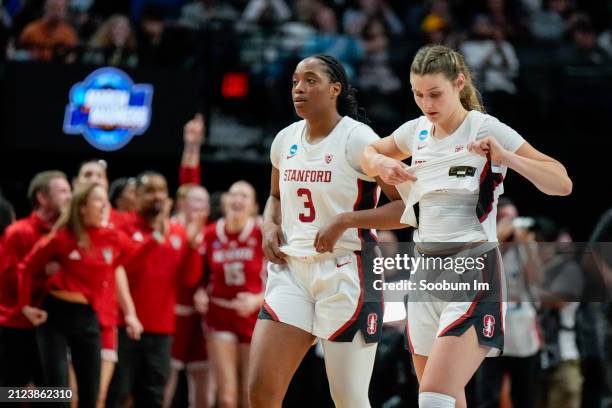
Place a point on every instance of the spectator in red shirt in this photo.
(49, 192)
(88, 255)
(153, 281)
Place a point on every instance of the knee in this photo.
(262, 393)
(435, 400)
(227, 400)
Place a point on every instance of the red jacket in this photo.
(19, 239)
(89, 271)
(154, 279)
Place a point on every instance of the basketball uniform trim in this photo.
(353, 318)
(267, 313)
(480, 309)
(489, 182)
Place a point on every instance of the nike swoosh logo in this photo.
(293, 155)
(341, 265)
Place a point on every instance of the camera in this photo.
(527, 223)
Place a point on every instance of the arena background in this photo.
(561, 108)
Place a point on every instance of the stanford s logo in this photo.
(372, 323)
(489, 326)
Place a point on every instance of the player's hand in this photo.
(391, 171)
(327, 236)
(490, 147)
(272, 239)
(193, 131)
(133, 327)
(505, 229)
(194, 228)
(523, 235)
(161, 223)
(200, 300)
(247, 303)
(35, 315)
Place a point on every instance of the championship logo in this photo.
(108, 109)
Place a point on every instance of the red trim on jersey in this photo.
(470, 310)
(460, 319)
(270, 311)
(496, 182)
(359, 302)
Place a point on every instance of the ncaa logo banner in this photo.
(108, 109)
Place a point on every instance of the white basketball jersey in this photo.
(316, 183)
(455, 215)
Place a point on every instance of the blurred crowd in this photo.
(364, 34)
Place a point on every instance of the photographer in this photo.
(563, 284)
(522, 339)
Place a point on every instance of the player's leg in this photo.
(244, 350)
(171, 384)
(109, 356)
(197, 380)
(450, 366)
(223, 355)
(284, 330)
(269, 378)
(349, 369)
(106, 374)
(419, 365)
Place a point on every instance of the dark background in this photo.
(563, 112)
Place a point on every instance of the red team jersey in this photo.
(19, 238)
(234, 262)
(154, 279)
(88, 271)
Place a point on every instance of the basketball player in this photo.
(449, 342)
(188, 344)
(234, 262)
(316, 284)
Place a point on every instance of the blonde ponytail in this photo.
(435, 59)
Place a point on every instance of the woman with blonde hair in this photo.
(460, 156)
(113, 44)
(88, 254)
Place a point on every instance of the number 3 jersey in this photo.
(234, 262)
(320, 181)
